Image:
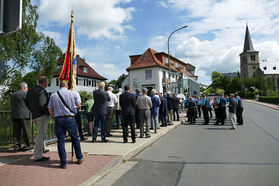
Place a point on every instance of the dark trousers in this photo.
(109, 120)
(79, 124)
(18, 126)
(99, 118)
(210, 112)
(129, 121)
(205, 115)
(118, 118)
(164, 119)
(175, 112)
(222, 113)
(192, 116)
(137, 119)
(62, 125)
(239, 117)
(199, 110)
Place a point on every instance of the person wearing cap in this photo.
(62, 108)
(118, 109)
(232, 110)
(144, 104)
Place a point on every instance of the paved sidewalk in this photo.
(273, 106)
(100, 158)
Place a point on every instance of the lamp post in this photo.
(169, 52)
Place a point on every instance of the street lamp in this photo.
(169, 51)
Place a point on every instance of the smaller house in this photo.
(87, 78)
(151, 70)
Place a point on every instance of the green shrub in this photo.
(269, 99)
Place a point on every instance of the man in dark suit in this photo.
(100, 110)
(128, 106)
(37, 101)
(163, 110)
(20, 116)
(170, 108)
(221, 110)
(175, 103)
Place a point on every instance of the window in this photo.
(143, 57)
(177, 66)
(80, 82)
(167, 61)
(264, 67)
(89, 82)
(85, 69)
(253, 58)
(274, 68)
(164, 74)
(148, 74)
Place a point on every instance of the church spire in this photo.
(248, 45)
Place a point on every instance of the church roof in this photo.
(270, 67)
(248, 45)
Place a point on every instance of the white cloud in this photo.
(223, 24)
(162, 4)
(93, 18)
(109, 71)
(54, 35)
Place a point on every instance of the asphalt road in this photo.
(213, 155)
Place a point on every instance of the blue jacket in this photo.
(155, 104)
(238, 102)
(222, 102)
(232, 106)
(191, 104)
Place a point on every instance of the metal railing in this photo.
(6, 129)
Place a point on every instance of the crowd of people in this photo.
(195, 105)
(137, 111)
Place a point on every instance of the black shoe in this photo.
(63, 166)
(151, 128)
(148, 136)
(42, 159)
(223, 124)
(216, 124)
(134, 141)
(46, 151)
(83, 139)
(104, 141)
(93, 141)
(108, 135)
(125, 141)
(80, 161)
(136, 135)
(141, 136)
(26, 148)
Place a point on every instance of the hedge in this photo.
(269, 99)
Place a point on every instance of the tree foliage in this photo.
(27, 49)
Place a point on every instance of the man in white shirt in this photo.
(111, 107)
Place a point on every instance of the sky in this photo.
(108, 31)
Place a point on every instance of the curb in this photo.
(120, 159)
(269, 105)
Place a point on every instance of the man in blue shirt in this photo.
(62, 109)
(205, 107)
(239, 109)
(154, 110)
(221, 110)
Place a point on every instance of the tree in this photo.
(28, 49)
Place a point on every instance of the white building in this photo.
(150, 70)
(87, 78)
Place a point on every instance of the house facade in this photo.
(151, 70)
(250, 65)
(87, 78)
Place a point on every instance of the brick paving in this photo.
(23, 170)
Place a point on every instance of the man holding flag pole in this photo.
(65, 103)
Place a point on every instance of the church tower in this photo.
(249, 58)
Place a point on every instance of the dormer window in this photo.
(143, 57)
(274, 68)
(264, 67)
(85, 69)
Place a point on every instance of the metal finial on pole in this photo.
(72, 15)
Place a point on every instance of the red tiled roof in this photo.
(152, 58)
(80, 63)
